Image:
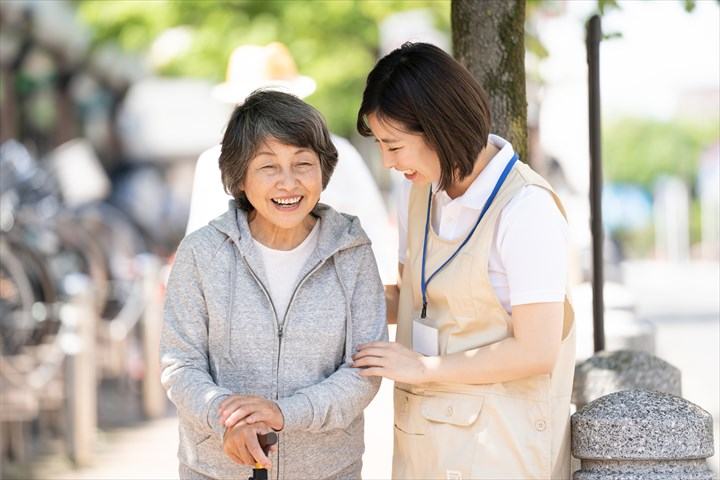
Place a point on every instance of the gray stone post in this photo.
(642, 434)
(607, 372)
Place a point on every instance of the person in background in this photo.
(485, 353)
(353, 189)
(265, 306)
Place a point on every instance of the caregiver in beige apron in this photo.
(485, 350)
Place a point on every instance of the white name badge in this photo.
(425, 339)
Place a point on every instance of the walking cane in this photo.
(266, 441)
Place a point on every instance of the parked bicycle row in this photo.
(70, 263)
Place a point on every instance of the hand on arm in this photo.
(532, 350)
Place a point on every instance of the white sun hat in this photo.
(253, 66)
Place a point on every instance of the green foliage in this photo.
(639, 150)
(533, 9)
(695, 222)
(333, 41)
(605, 5)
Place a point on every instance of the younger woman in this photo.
(484, 359)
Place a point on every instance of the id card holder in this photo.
(425, 339)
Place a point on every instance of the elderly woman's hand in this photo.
(241, 444)
(250, 410)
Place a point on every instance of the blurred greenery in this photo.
(640, 242)
(639, 150)
(334, 41)
(217, 27)
(636, 243)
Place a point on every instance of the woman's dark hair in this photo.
(428, 92)
(266, 115)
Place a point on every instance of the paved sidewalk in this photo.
(144, 451)
(147, 451)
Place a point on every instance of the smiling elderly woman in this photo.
(266, 305)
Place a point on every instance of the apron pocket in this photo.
(435, 434)
(406, 406)
(453, 426)
(412, 454)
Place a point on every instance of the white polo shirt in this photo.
(529, 255)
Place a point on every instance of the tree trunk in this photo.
(489, 39)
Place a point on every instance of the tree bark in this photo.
(489, 39)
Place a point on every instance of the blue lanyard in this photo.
(423, 282)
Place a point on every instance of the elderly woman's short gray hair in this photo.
(265, 115)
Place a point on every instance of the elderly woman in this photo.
(266, 305)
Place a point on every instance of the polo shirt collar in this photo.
(479, 191)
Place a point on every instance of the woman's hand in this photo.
(250, 410)
(241, 444)
(394, 361)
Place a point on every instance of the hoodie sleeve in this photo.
(338, 400)
(184, 345)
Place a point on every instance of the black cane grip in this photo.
(267, 440)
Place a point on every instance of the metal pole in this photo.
(81, 377)
(594, 36)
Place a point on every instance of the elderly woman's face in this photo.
(283, 183)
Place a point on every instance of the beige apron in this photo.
(518, 429)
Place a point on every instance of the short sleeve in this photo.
(532, 242)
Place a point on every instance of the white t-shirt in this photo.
(352, 189)
(282, 268)
(528, 257)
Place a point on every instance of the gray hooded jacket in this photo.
(221, 336)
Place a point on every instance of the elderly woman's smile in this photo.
(287, 201)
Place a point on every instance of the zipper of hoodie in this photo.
(278, 326)
(280, 329)
(297, 287)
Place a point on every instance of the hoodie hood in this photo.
(338, 232)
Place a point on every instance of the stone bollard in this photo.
(642, 434)
(607, 372)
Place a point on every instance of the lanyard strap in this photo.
(423, 282)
